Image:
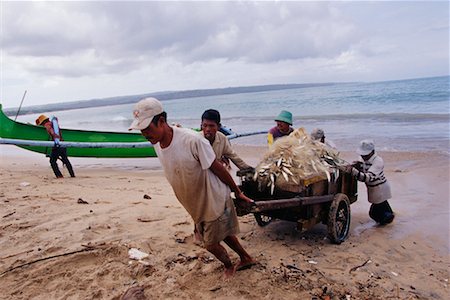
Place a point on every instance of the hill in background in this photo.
(163, 96)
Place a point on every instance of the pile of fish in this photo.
(295, 159)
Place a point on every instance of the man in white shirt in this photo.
(200, 182)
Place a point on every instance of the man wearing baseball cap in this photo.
(200, 182)
(371, 171)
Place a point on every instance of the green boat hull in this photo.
(15, 130)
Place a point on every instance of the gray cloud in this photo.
(183, 45)
(122, 35)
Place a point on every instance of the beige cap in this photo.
(365, 147)
(144, 111)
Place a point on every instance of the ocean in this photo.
(403, 115)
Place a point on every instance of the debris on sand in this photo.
(134, 293)
(81, 201)
(137, 254)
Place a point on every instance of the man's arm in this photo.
(375, 172)
(50, 131)
(229, 153)
(219, 170)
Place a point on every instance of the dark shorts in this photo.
(381, 213)
(216, 231)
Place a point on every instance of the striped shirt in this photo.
(372, 174)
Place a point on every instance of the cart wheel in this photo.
(339, 219)
(262, 220)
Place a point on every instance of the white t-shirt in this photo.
(186, 162)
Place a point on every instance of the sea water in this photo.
(404, 115)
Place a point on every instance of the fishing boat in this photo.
(79, 143)
(85, 143)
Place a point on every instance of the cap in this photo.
(365, 147)
(144, 111)
(284, 116)
(41, 119)
(317, 133)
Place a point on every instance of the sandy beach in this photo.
(83, 247)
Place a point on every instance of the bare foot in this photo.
(246, 264)
(197, 237)
(198, 240)
(229, 272)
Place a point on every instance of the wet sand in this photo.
(131, 205)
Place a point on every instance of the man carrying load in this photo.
(52, 127)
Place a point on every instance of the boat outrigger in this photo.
(79, 143)
(83, 143)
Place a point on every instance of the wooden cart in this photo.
(306, 204)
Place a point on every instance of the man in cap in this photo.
(283, 128)
(221, 145)
(317, 134)
(200, 182)
(371, 171)
(55, 133)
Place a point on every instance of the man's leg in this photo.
(222, 255)
(381, 213)
(375, 212)
(66, 161)
(246, 260)
(388, 214)
(53, 159)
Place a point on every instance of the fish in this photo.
(328, 176)
(297, 158)
(285, 176)
(313, 164)
(336, 175)
(287, 171)
(279, 162)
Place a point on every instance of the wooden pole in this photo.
(20, 106)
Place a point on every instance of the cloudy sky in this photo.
(66, 51)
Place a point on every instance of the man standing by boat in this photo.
(54, 131)
(283, 128)
(221, 145)
(200, 182)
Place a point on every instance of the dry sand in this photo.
(40, 217)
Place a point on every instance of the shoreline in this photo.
(406, 259)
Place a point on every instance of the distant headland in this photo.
(163, 96)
